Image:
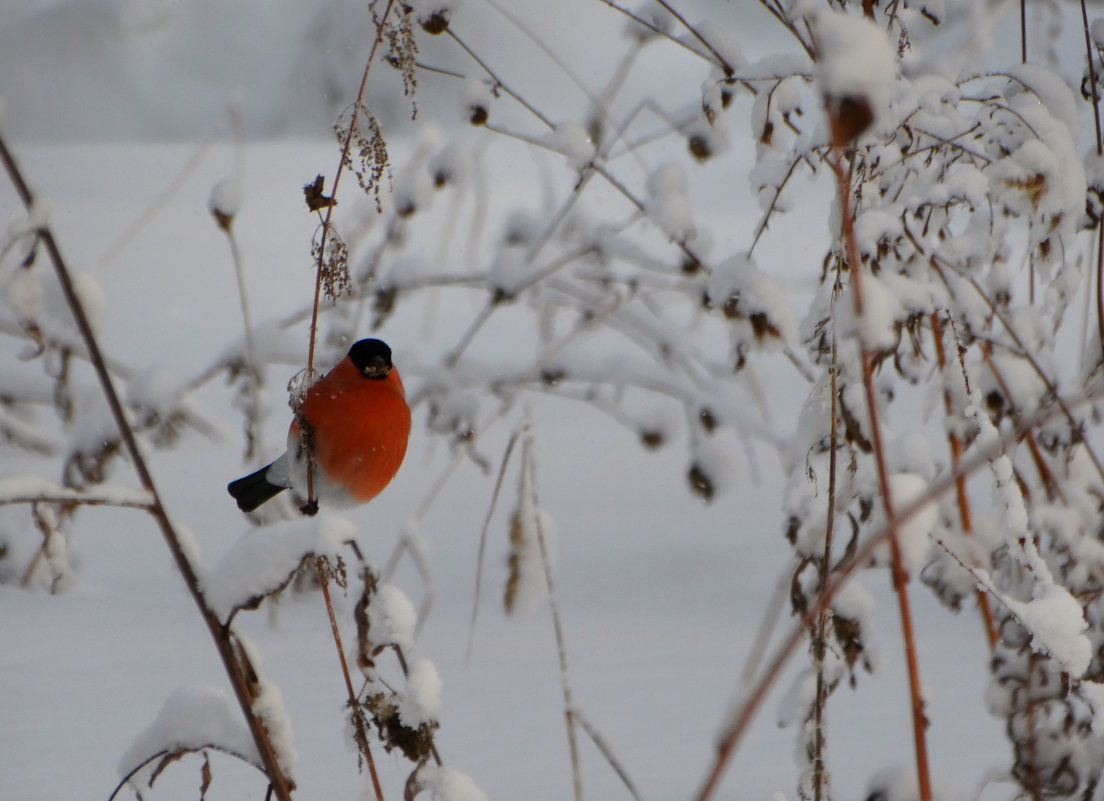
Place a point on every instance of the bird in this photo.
(360, 422)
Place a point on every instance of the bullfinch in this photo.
(360, 423)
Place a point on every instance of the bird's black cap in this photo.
(371, 357)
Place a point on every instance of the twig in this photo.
(499, 83)
(252, 364)
(63, 497)
(775, 10)
(174, 754)
(483, 541)
(605, 750)
(529, 472)
(728, 69)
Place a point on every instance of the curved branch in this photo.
(281, 784)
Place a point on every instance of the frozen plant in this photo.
(949, 433)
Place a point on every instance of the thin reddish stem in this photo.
(960, 485)
(899, 574)
(319, 564)
(326, 220)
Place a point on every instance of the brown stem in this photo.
(1023, 31)
(529, 484)
(326, 223)
(899, 575)
(960, 484)
(1053, 488)
(820, 775)
(281, 785)
(320, 565)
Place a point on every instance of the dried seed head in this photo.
(700, 482)
(707, 419)
(699, 147)
(849, 117)
(316, 200)
(436, 23)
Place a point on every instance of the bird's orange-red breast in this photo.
(360, 423)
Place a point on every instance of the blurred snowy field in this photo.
(661, 595)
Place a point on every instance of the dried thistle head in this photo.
(331, 257)
(366, 154)
(402, 53)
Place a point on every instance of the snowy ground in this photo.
(661, 595)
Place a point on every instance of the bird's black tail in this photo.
(253, 490)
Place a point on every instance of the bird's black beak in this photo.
(376, 367)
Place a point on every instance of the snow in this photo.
(476, 97)
(157, 389)
(1093, 692)
(855, 59)
(876, 325)
(721, 43)
(573, 141)
(268, 706)
(668, 205)
(24, 294)
(738, 277)
(192, 718)
(392, 617)
(226, 198)
(1057, 625)
(24, 489)
(453, 165)
(1096, 30)
(913, 535)
(1047, 87)
(447, 784)
(421, 703)
(413, 191)
(265, 559)
(895, 784)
